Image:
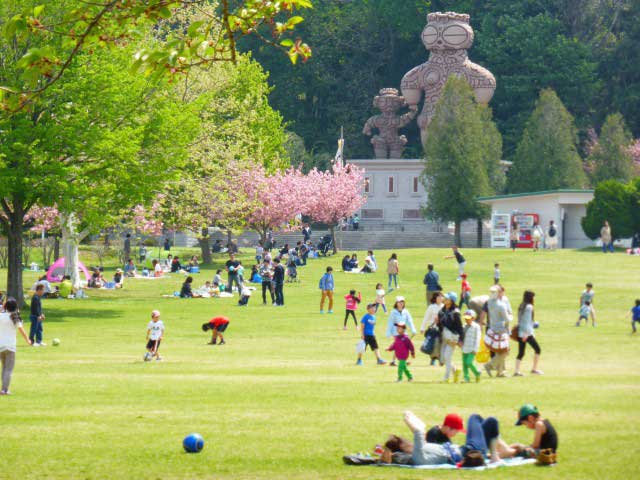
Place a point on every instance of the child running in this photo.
(402, 346)
(583, 313)
(465, 291)
(352, 306)
(635, 316)
(218, 325)
(155, 334)
(367, 326)
(470, 345)
(380, 298)
(587, 299)
(496, 274)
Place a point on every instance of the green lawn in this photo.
(283, 399)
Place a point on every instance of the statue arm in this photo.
(407, 117)
(411, 87)
(368, 126)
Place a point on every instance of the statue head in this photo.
(388, 100)
(447, 31)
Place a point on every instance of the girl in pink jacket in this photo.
(352, 306)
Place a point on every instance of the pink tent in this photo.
(56, 271)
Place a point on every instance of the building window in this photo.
(411, 214)
(392, 185)
(415, 185)
(368, 185)
(372, 213)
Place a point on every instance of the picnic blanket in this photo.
(507, 462)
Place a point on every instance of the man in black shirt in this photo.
(278, 282)
(36, 316)
(444, 433)
(232, 272)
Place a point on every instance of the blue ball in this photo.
(193, 443)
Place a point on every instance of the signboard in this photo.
(500, 230)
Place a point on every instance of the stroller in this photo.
(325, 245)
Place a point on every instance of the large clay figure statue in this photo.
(447, 36)
(388, 144)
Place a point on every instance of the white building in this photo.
(565, 207)
(394, 192)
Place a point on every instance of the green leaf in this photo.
(295, 20)
(193, 28)
(37, 11)
(287, 42)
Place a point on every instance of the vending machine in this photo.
(500, 230)
(526, 221)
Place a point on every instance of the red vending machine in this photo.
(526, 221)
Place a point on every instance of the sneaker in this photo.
(466, 380)
(594, 324)
(330, 311)
(410, 379)
(456, 376)
(344, 328)
(223, 342)
(577, 324)
(393, 364)
(398, 380)
(211, 343)
(2, 392)
(501, 375)
(42, 344)
(398, 287)
(35, 344)
(518, 374)
(158, 359)
(359, 362)
(321, 312)
(487, 369)
(537, 372)
(478, 378)
(381, 362)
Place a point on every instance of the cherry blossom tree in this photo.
(334, 195)
(634, 150)
(276, 200)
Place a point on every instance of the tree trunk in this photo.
(479, 233)
(205, 248)
(332, 229)
(458, 234)
(56, 247)
(14, 238)
(229, 239)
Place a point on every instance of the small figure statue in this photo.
(387, 144)
(447, 36)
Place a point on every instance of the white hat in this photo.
(399, 298)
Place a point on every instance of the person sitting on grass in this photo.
(130, 269)
(175, 264)
(186, 290)
(66, 287)
(245, 296)
(157, 268)
(217, 325)
(96, 280)
(346, 264)
(118, 278)
(545, 435)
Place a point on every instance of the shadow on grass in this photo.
(58, 316)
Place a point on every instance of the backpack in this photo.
(552, 231)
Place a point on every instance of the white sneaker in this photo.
(35, 344)
(42, 344)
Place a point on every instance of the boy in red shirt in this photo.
(465, 291)
(402, 346)
(218, 325)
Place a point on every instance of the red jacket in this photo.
(402, 346)
(217, 321)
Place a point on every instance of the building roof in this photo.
(534, 194)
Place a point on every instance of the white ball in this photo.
(55, 342)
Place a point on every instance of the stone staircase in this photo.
(355, 240)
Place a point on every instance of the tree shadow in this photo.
(61, 316)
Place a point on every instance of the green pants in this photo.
(467, 364)
(402, 367)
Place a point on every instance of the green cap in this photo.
(526, 410)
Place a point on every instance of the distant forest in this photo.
(588, 51)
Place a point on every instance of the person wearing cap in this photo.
(470, 345)
(545, 436)
(451, 426)
(452, 334)
(402, 346)
(483, 435)
(367, 326)
(118, 278)
(399, 314)
(497, 337)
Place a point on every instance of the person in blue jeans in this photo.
(483, 435)
(36, 316)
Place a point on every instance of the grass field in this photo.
(284, 399)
